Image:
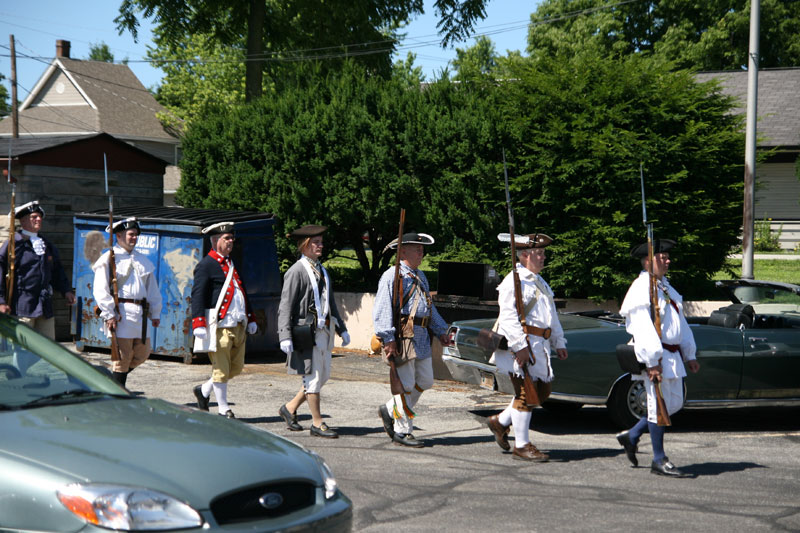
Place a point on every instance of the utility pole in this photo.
(14, 111)
(750, 144)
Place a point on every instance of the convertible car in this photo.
(80, 453)
(749, 354)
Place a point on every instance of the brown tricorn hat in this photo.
(308, 231)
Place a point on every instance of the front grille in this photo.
(244, 505)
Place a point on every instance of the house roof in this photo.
(82, 97)
(778, 105)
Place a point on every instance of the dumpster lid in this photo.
(178, 215)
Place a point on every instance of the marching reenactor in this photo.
(37, 273)
(663, 352)
(530, 339)
(307, 320)
(138, 298)
(410, 346)
(221, 317)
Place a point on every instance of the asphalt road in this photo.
(745, 464)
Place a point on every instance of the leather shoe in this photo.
(407, 439)
(388, 421)
(529, 452)
(666, 468)
(289, 418)
(630, 448)
(500, 432)
(323, 431)
(228, 414)
(202, 401)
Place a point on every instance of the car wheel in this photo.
(628, 402)
(562, 408)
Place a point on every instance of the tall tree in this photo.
(585, 122)
(5, 105)
(712, 35)
(100, 52)
(477, 61)
(299, 29)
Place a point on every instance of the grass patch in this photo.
(785, 270)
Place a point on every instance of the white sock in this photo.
(205, 388)
(221, 392)
(505, 416)
(521, 420)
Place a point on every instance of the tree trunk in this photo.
(254, 66)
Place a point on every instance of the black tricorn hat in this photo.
(524, 242)
(412, 238)
(218, 228)
(659, 246)
(123, 225)
(308, 231)
(28, 209)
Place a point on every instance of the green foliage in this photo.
(5, 105)
(100, 52)
(348, 150)
(406, 72)
(584, 124)
(477, 61)
(712, 35)
(764, 239)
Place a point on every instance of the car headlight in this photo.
(127, 508)
(331, 487)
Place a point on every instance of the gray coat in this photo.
(297, 307)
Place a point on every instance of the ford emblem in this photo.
(271, 500)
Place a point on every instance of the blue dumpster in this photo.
(171, 238)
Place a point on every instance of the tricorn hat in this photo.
(412, 238)
(218, 229)
(659, 246)
(28, 209)
(306, 232)
(123, 225)
(524, 242)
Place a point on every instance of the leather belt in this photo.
(671, 347)
(539, 332)
(421, 321)
(328, 321)
(130, 301)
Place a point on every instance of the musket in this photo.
(397, 306)
(112, 265)
(662, 415)
(531, 394)
(12, 245)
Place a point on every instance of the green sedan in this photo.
(749, 354)
(79, 453)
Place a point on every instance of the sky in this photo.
(37, 24)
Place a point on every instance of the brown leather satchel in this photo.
(490, 341)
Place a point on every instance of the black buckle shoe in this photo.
(323, 431)
(407, 439)
(388, 421)
(202, 401)
(289, 418)
(228, 414)
(630, 448)
(666, 468)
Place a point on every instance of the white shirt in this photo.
(542, 314)
(135, 281)
(674, 327)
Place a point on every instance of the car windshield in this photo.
(769, 299)
(35, 371)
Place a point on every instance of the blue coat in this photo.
(35, 278)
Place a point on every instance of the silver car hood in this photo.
(189, 454)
